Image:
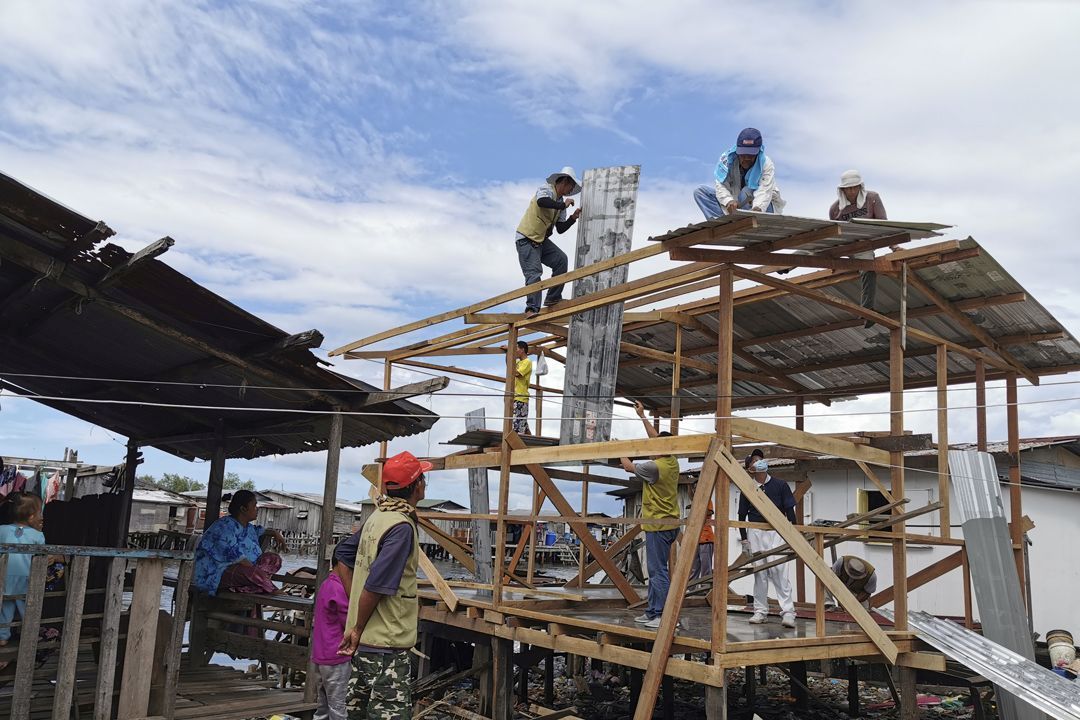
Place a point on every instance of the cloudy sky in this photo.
(354, 165)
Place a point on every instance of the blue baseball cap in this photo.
(749, 142)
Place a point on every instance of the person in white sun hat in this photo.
(853, 201)
(547, 212)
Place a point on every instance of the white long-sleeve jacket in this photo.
(768, 191)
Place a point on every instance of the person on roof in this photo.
(745, 179)
(546, 213)
(755, 540)
(853, 200)
(858, 576)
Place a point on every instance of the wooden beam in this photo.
(404, 392)
(872, 477)
(676, 380)
(968, 325)
(669, 620)
(922, 577)
(580, 528)
(1016, 510)
(806, 553)
(665, 357)
(789, 437)
(613, 552)
(737, 225)
(751, 257)
(153, 250)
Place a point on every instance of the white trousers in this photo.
(777, 575)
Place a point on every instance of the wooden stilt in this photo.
(909, 698)
(504, 469)
(502, 676)
(800, 510)
(216, 479)
(896, 471)
(676, 381)
(722, 490)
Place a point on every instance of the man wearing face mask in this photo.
(755, 540)
(745, 179)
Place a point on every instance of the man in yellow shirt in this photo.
(659, 501)
(522, 377)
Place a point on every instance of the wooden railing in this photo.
(135, 648)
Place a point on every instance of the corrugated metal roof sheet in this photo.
(844, 358)
(154, 323)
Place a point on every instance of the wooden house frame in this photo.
(720, 359)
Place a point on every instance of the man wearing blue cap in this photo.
(745, 180)
(755, 540)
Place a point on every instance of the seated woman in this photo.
(229, 556)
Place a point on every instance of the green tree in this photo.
(179, 483)
(233, 482)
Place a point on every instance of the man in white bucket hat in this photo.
(855, 201)
(547, 212)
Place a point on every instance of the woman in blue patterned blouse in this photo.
(230, 557)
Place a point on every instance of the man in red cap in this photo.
(382, 603)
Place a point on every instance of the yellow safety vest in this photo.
(660, 499)
(393, 623)
(538, 222)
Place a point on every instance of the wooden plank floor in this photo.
(215, 692)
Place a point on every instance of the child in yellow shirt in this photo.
(522, 377)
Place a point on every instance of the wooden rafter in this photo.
(969, 325)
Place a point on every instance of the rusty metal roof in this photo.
(63, 314)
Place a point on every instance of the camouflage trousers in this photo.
(380, 687)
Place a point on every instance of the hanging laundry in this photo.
(52, 487)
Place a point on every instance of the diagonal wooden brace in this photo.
(807, 554)
(580, 528)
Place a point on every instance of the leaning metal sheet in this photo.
(993, 568)
(1039, 688)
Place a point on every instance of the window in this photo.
(869, 500)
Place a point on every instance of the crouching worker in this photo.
(383, 608)
(745, 179)
(858, 576)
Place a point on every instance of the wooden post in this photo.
(216, 479)
(1016, 509)
(480, 504)
(504, 469)
(75, 582)
(909, 705)
(819, 590)
(896, 460)
(72, 473)
(722, 484)
(176, 638)
(502, 676)
(141, 635)
(539, 409)
(800, 509)
(110, 639)
(980, 404)
(329, 504)
(585, 518)
(945, 523)
(716, 702)
(131, 464)
(676, 381)
(388, 377)
(28, 640)
(538, 502)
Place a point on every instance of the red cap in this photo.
(402, 470)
